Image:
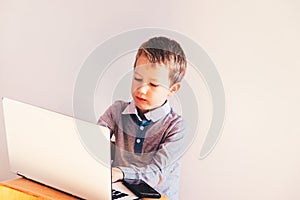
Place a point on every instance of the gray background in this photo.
(254, 45)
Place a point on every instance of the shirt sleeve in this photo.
(107, 119)
(164, 160)
(110, 116)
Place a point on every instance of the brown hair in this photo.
(165, 51)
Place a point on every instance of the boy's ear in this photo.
(174, 88)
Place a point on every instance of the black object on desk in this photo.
(141, 188)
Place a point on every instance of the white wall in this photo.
(254, 45)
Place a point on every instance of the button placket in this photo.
(139, 140)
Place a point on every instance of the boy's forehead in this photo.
(153, 71)
(143, 60)
(150, 70)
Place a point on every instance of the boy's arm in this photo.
(116, 174)
(110, 116)
(106, 119)
(163, 160)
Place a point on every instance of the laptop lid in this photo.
(53, 149)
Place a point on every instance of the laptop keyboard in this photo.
(121, 192)
(117, 194)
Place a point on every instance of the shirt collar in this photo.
(153, 115)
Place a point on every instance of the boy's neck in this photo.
(141, 114)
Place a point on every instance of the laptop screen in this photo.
(52, 149)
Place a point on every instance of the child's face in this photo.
(150, 84)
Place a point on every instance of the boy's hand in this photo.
(116, 174)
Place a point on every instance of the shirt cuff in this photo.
(129, 173)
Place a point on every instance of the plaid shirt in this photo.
(148, 148)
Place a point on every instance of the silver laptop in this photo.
(60, 151)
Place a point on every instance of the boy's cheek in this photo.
(133, 87)
(133, 90)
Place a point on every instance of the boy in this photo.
(149, 135)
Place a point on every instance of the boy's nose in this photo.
(144, 88)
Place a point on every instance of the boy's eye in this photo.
(137, 79)
(154, 84)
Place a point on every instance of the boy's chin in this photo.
(142, 109)
(145, 109)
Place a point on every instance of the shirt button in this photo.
(141, 128)
(138, 140)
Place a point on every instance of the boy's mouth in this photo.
(141, 99)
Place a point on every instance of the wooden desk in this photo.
(28, 190)
(23, 189)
